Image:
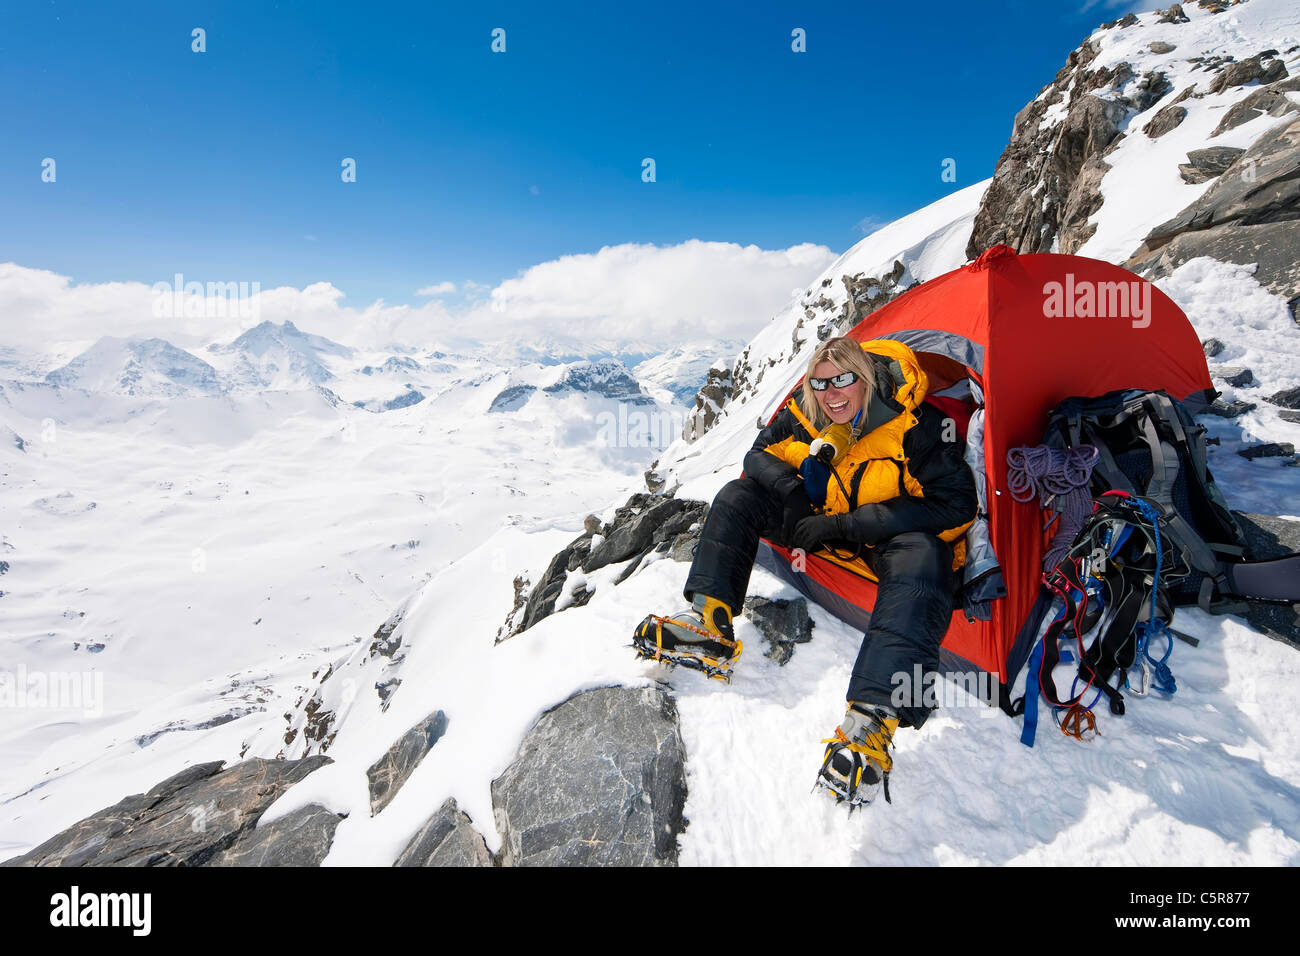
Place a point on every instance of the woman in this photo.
(863, 474)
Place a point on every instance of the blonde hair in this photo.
(845, 354)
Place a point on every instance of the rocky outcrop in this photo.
(600, 780)
(709, 402)
(1270, 100)
(387, 774)
(647, 525)
(1272, 537)
(1251, 214)
(447, 838)
(1037, 184)
(783, 624)
(1204, 164)
(512, 398)
(202, 815)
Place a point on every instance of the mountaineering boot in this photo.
(857, 760)
(700, 638)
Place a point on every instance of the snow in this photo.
(1143, 187)
(229, 547)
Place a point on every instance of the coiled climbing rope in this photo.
(1059, 478)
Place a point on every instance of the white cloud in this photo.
(442, 288)
(658, 294)
(634, 294)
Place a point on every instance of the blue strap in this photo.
(1030, 729)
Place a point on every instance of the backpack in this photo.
(1150, 446)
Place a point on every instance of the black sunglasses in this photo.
(843, 380)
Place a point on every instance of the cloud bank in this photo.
(627, 294)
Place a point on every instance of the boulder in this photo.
(630, 538)
(447, 838)
(783, 624)
(600, 780)
(1272, 449)
(1248, 215)
(1287, 398)
(1211, 347)
(1229, 409)
(1264, 67)
(300, 838)
(1165, 120)
(387, 774)
(187, 820)
(1234, 376)
(1204, 164)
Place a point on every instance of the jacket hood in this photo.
(901, 383)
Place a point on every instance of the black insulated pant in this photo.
(913, 602)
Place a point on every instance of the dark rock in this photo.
(1266, 100)
(447, 838)
(387, 774)
(654, 482)
(1036, 177)
(630, 538)
(591, 524)
(1272, 449)
(509, 628)
(1174, 14)
(1211, 347)
(1149, 89)
(1289, 416)
(542, 598)
(578, 551)
(1248, 215)
(1214, 6)
(783, 624)
(692, 513)
(300, 838)
(683, 547)
(1205, 164)
(1125, 21)
(719, 387)
(1165, 120)
(512, 399)
(599, 781)
(1237, 377)
(1247, 71)
(186, 820)
(1229, 409)
(1268, 537)
(1160, 46)
(1287, 398)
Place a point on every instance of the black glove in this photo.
(811, 533)
(795, 508)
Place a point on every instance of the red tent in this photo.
(1030, 330)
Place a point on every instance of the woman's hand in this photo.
(812, 533)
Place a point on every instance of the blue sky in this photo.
(474, 165)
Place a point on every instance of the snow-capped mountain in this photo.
(138, 367)
(272, 355)
(430, 521)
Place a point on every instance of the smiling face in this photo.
(840, 405)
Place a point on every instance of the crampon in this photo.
(713, 654)
(854, 771)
